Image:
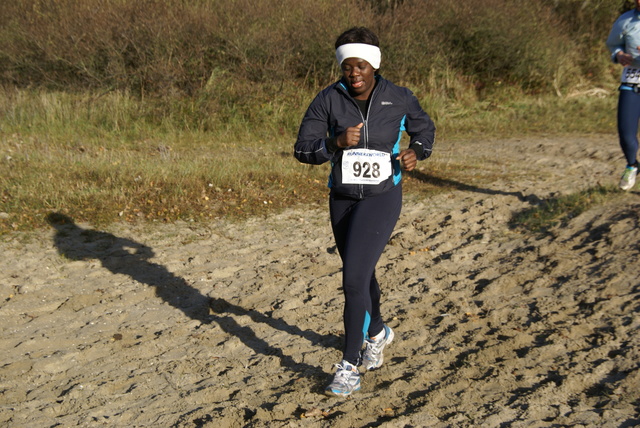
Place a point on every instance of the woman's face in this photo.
(360, 77)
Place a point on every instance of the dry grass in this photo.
(163, 110)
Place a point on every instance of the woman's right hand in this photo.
(624, 58)
(350, 137)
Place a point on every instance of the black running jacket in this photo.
(392, 109)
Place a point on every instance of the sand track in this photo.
(233, 325)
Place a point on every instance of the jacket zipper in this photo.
(365, 121)
(366, 143)
(365, 127)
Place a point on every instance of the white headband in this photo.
(369, 53)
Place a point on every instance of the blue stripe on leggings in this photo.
(365, 327)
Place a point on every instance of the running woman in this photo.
(624, 44)
(356, 125)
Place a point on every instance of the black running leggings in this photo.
(628, 114)
(362, 229)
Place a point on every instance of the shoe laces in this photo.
(628, 171)
(373, 348)
(345, 371)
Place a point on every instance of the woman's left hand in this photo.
(408, 159)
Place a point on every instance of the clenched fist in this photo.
(350, 137)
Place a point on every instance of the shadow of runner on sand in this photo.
(452, 184)
(127, 257)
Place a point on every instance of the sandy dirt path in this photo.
(239, 325)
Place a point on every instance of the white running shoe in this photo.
(372, 357)
(628, 179)
(345, 381)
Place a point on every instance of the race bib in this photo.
(630, 75)
(364, 166)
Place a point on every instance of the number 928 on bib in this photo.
(365, 166)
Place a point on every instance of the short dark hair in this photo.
(357, 35)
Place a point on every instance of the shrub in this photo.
(175, 47)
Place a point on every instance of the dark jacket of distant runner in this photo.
(392, 109)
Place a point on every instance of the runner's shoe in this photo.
(345, 381)
(628, 179)
(373, 358)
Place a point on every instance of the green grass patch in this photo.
(558, 211)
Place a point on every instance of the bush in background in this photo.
(168, 47)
